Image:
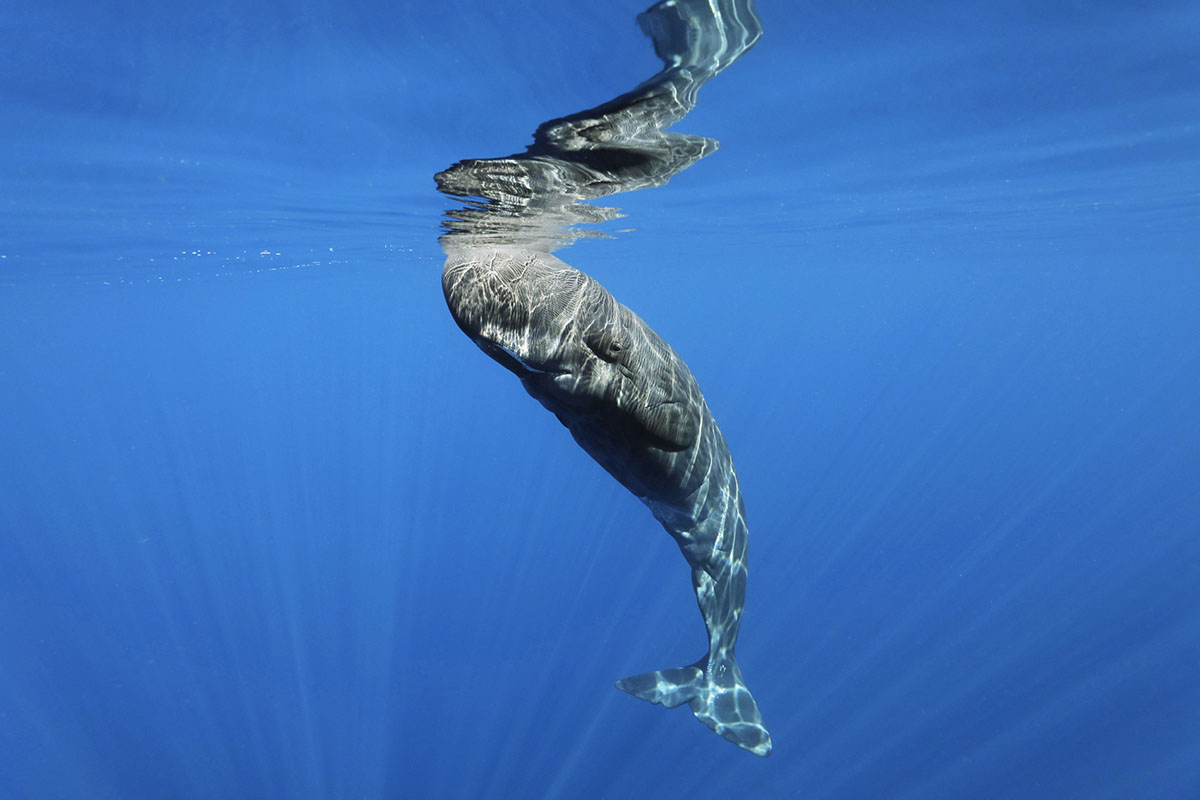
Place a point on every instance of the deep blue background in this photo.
(271, 527)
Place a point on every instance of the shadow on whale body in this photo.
(626, 397)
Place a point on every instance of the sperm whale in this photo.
(624, 394)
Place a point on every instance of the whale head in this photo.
(522, 308)
(573, 346)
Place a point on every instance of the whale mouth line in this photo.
(510, 359)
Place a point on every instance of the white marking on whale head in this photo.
(524, 364)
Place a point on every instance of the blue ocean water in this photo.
(271, 527)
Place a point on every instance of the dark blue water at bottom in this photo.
(271, 527)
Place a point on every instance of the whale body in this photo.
(632, 403)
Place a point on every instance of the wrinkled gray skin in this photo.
(630, 401)
(627, 398)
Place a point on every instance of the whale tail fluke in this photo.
(716, 694)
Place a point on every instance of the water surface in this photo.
(273, 528)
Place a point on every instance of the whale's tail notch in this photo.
(716, 694)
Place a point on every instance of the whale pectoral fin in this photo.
(672, 425)
(669, 408)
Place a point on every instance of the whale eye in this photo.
(606, 346)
